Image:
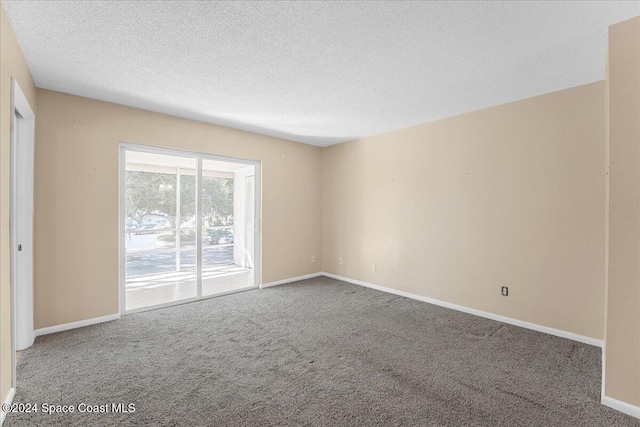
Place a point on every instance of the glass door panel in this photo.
(159, 241)
(226, 266)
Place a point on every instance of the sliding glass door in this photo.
(188, 226)
(224, 216)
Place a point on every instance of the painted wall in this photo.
(622, 345)
(76, 186)
(12, 64)
(512, 195)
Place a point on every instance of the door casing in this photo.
(21, 222)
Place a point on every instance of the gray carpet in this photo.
(318, 352)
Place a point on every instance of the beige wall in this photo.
(454, 209)
(12, 64)
(622, 347)
(76, 191)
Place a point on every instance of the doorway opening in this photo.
(188, 226)
(21, 224)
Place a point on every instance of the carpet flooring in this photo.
(315, 353)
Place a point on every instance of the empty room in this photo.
(320, 213)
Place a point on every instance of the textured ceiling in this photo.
(315, 72)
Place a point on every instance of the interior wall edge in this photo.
(7, 401)
(622, 347)
(291, 280)
(621, 406)
(74, 325)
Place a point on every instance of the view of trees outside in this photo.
(151, 216)
(217, 200)
(149, 193)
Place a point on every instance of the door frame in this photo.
(125, 146)
(22, 133)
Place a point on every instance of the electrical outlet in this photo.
(340, 261)
(313, 258)
(505, 291)
(373, 268)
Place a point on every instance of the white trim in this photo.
(20, 102)
(198, 228)
(7, 401)
(492, 316)
(121, 229)
(621, 406)
(230, 292)
(188, 300)
(12, 231)
(74, 325)
(181, 152)
(22, 134)
(292, 279)
(257, 229)
(157, 306)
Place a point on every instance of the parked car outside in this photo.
(218, 237)
(226, 240)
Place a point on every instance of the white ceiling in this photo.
(314, 72)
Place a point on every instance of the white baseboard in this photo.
(7, 401)
(96, 320)
(621, 406)
(73, 325)
(292, 279)
(486, 314)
